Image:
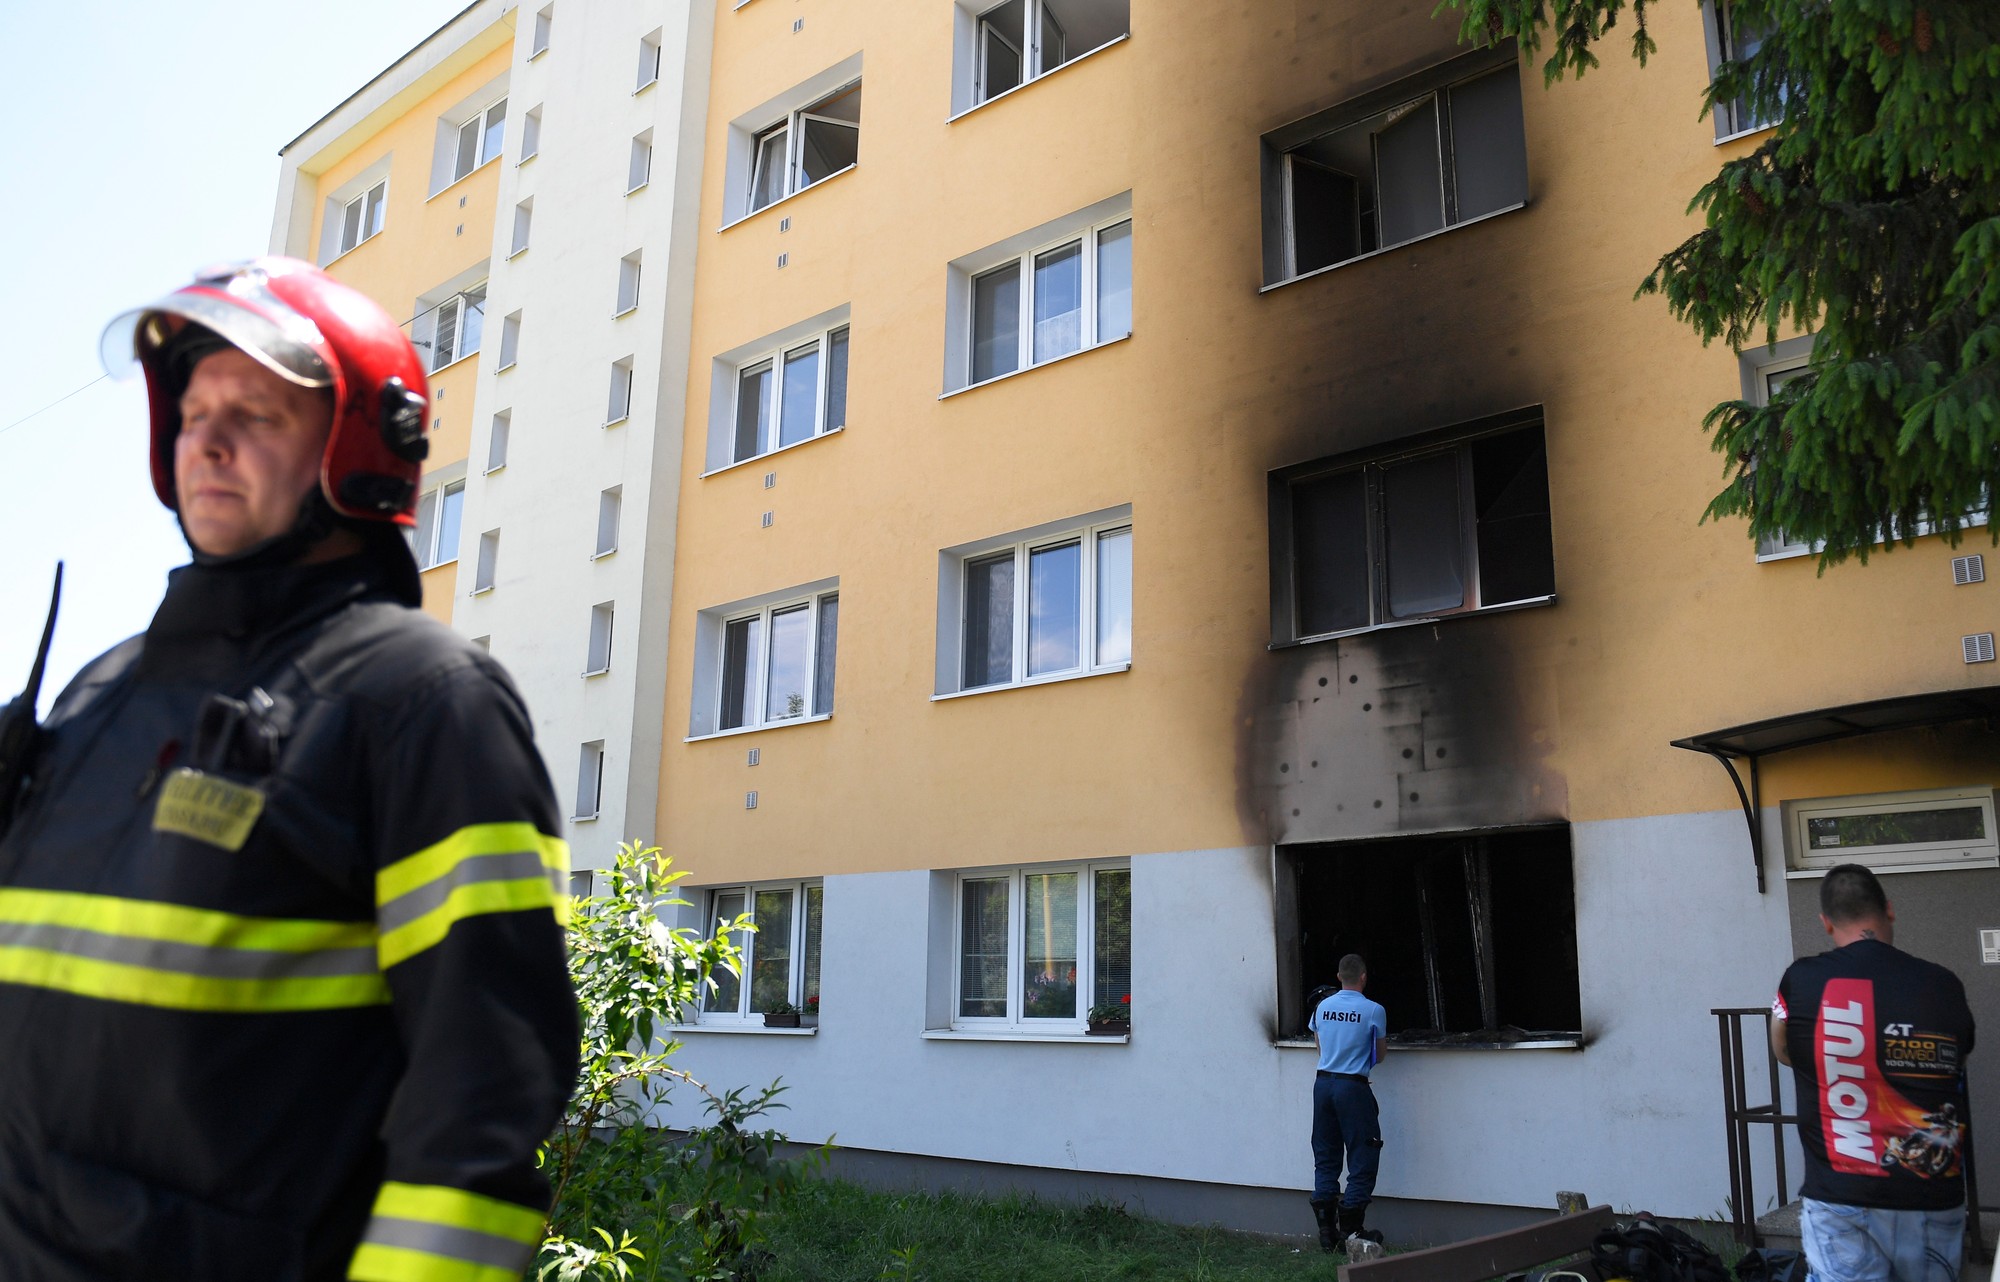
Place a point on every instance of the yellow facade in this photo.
(426, 238)
(1663, 627)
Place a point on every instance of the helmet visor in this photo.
(237, 304)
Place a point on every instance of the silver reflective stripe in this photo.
(405, 908)
(458, 1244)
(188, 959)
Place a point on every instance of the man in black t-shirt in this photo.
(1877, 1041)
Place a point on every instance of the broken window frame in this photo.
(1288, 589)
(1433, 86)
(784, 144)
(1490, 979)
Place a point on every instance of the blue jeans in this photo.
(1867, 1244)
(1345, 1119)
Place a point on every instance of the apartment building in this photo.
(521, 186)
(1165, 504)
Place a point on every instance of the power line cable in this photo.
(52, 404)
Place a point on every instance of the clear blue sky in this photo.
(143, 143)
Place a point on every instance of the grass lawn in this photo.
(839, 1232)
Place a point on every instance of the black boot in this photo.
(1323, 1214)
(1354, 1223)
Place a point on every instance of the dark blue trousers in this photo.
(1345, 1120)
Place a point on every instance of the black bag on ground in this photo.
(1648, 1251)
(1767, 1265)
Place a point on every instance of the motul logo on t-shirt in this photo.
(1850, 1111)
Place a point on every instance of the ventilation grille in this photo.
(783, 259)
(1968, 569)
(749, 801)
(770, 480)
(1989, 947)
(1978, 647)
(769, 515)
(755, 755)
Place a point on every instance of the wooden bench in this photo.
(1495, 1255)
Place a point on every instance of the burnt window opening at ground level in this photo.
(1468, 937)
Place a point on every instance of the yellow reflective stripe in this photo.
(170, 955)
(374, 1262)
(407, 941)
(482, 868)
(139, 985)
(148, 919)
(458, 1209)
(435, 861)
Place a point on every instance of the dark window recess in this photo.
(1468, 938)
(1378, 180)
(1463, 526)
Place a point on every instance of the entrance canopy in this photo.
(1758, 739)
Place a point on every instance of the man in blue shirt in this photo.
(1350, 1029)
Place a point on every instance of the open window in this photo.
(1428, 153)
(1469, 938)
(1447, 524)
(1002, 46)
(799, 138)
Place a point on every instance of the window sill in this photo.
(633, 191)
(1531, 603)
(491, 470)
(1741, 134)
(1883, 870)
(626, 312)
(596, 672)
(768, 725)
(599, 556)
(456, 360)
(1029, 369)
(789, 196)
(1398, 246)
(517, 253)
(1052, 678)
(502, 369)
(436, 565)
(583, 819)
(999, 97)
(648, 85)
(525, 159)
(754, 1030)
(1539, 1044)
(758, 458)
(613, 422)
(470, 174)
(538, 53)
(480, 591)
(351, 249)
(1072, 1039)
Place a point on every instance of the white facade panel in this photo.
(1670, 925)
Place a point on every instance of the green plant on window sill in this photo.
(783, 1008)
(1119, 1012)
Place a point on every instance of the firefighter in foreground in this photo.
(282, 986)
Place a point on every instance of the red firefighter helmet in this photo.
(309, 329)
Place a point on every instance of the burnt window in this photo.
(1438, 528)
(1441, 148)
(1468, 937)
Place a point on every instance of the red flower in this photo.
(1126, 999)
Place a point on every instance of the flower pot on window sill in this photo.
(809, 1020)
(1109, 1027)
(774, 1020)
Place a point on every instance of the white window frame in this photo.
(531, 135)
(374, 201)
(485, 149)
(1015, 1021)
(610, 510)
(497, 441)
(544, 24)
(630, 273)
(1719, 27)
(524, 221)
(956, 594)
(649, 60)
(486, 571)
(1090, 238)
(795, 993)
(597, 653)
(1806, 861)
(774, 398)
(618, 404)
(1756, 366)
(590, 762)
(970, 90)
(427, 538)
(792, 125)
(456, 305)
(639, 167)
(757, 664)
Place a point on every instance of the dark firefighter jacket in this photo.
(282, 983)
